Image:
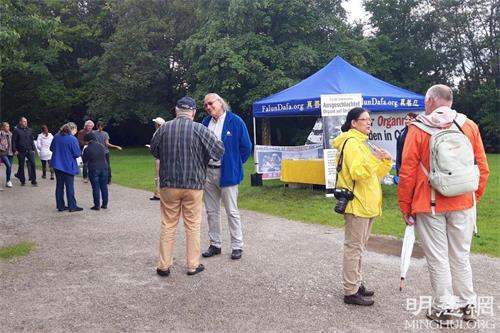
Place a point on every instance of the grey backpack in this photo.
(453, 168)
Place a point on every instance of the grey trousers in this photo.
(446, 240)
(212, 196)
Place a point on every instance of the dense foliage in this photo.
(127, 61)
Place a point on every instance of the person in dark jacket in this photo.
(65, 151)
(24, 147)
(94, 156)
(224, 176)
(400, 141)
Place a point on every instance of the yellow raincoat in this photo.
(365, 170)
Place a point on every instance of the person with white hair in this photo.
(87, 128)
(224, 176)
(158, 121)
(444, 221)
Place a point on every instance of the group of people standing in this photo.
(444, 223)
(58, 155)
(200, 163)
(203, 162)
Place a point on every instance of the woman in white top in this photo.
(43, 145)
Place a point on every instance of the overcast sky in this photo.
(354, 9)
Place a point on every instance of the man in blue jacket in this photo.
(224, 176)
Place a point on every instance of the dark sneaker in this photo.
(161, 272)
(153, 198)
(445, 318)
(62, 209)
(365, 292)
(212, 251)
(236, 254)
(76, 209)
(34, 183)
(358, 299)
(469, 313)
(198, 269)
(94, 208)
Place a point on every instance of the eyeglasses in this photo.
(208, 103)
(367, 120)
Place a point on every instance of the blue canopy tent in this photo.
(337, 77)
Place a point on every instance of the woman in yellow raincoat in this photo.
(362, 168)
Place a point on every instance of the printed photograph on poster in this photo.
(268, 158)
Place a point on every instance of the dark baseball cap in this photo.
(89, 137)
(186, 102)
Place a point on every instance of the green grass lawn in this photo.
(134, 167)
(20, 249)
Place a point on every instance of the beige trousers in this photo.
(357, 231)
(173, 202)
(446, 239)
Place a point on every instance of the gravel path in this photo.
(95, 272)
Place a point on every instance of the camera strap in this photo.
(339, 164)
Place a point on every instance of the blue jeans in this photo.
(7, 160)
(99, 181)
(64, 179)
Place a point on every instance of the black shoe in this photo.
(198, 269)
(23, 183)
(365, 292)
(162, 272)
(94, 208)
(51, 177)
(104, 207)
(62, 209)
(358, 299)
(212, 251)
(34, 183)
(44, 176)
(153, 198)
(236, 254)
(76, 209)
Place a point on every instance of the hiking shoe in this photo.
(198, 269)
(358, 299)
(365, 292)
(212, 251)
(161, 272)
(469, 312)
(9, 184)
(236, 254)
(445, 318)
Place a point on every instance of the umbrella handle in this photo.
(402, 284)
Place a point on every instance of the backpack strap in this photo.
(340, 162)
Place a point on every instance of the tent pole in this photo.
(254, 143)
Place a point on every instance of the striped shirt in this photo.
(184, 149)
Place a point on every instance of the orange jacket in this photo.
(414, 191)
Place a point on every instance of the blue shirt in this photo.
(65, 149)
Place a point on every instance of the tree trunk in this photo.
(266, 131)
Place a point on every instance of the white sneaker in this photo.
(9, 184)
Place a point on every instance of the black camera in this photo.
(343, 196)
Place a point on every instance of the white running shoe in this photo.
(9, 184)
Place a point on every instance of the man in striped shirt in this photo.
(184, 149)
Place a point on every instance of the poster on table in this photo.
(269, 158)
(334, 109)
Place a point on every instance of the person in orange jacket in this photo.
(446, 234)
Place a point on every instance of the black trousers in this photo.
(29, 157)
(109, 168)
